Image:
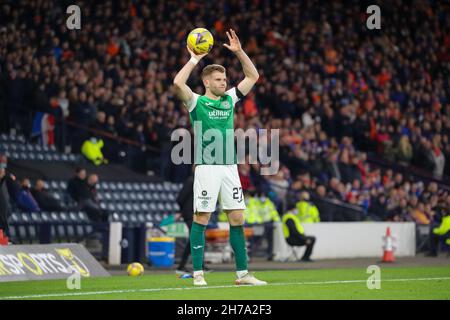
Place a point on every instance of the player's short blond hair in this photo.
(209, 69)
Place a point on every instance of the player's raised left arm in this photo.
(250, 72)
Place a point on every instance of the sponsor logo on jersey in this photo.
(204, 193)
(218, 114)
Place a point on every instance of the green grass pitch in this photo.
(396, 283)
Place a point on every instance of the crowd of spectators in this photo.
(336, 90)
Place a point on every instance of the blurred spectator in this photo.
(44, 199)
(89, 201)
(25, 199)
(5, 209)
(77, 185)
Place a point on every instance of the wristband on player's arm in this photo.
(194, 60)
(239, 93)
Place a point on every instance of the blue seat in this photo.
(107, 196)
(156, 196)
(153, 207)
(141, 217)
(136, 207)
(160, 206)
(115, 217)
(140, 197)
(113, 186)
(116, 197)
(124, 217)
(148, 196)
(120, 207)
(163, 196)
(128, 207)
(111, 207)
(144, 207)
(132, 195)
(132, 218)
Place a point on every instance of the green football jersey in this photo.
(213, 122)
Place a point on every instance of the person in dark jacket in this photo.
(5, 209)
(76, 186)
(45, 200)
(90, 202)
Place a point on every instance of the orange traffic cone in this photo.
(388, 255)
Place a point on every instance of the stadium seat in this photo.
(111, 207)
(148, 196)
(144, 208)
(141, 217)
(133, 218)
(171, 197)
(116, 196)
(149, 217)
(136, 207)
(113, 186)
(128, 207)
(153, 207)
(120, 207)
(107, 196)
(104, 186)
(124, 217)
(140, 197)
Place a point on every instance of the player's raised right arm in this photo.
(183, 92)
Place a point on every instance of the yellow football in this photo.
(135, 269)
(200, 40)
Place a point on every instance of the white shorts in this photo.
(212, 182)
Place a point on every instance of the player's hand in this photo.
(235, 44)
(194, 55)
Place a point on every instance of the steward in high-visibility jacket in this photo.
(442, 231)
(92, 150)
(261, 211)
(295, 234)
(307, 211)
(251, 213)
(267, 211)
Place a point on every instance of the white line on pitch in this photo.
(90, 293)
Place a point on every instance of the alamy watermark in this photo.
(73, 282)
(374, 280)
(263, 147)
